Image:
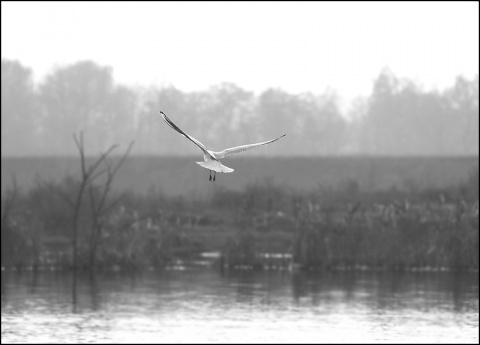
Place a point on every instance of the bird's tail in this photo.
(215, 166)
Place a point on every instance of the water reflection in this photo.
(203, 305)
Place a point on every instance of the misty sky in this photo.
(298, 46)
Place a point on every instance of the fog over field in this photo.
(398, 118)
(339, 79)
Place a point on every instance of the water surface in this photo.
(204, 305)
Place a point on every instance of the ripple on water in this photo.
(204, 306)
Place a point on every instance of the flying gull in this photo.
(211, 158)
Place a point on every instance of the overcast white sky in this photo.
(297, 46)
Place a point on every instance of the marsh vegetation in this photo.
(346, 227)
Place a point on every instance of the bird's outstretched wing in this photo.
(175, 127)
(238, 149)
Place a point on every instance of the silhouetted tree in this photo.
(151, 139)
(321, 128)
(402, 119)
(463, 101)
(376, 129)
(225, 110)
(19, 120)
(98, 196)
(273, 113)
(398, 118)
(75, 98)
(120, 117)
(313, 122)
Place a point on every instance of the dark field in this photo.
(181, 176)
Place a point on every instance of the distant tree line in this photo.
(398, 118)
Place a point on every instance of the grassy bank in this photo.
(325, 228)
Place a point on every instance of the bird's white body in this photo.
(211, 163)
(211, 158)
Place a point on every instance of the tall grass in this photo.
(390, 238)
(337, 228)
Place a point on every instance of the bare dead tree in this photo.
(8, 204)
(9, 201)
(88, 176)
(101, 207)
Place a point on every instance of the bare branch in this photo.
(123, 157)
(10, 199)
(96, 175)
(94, 166)
(81, 150)
(57, 191)
(92, 201)
(110, 177)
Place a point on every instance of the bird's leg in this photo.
(210, 178)
(214, 174)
